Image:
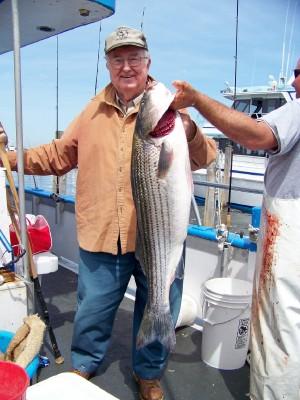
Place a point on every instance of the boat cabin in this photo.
(256, 102)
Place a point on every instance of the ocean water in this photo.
(67, 183)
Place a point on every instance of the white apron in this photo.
(275, 338)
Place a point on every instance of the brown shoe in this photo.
(149, 389)
(83, 374)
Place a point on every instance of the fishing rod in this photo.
(228, 217)
(39, 294)
(56, 132)
(98, 58)
(34, 275)
(142, 20)
(57, 180)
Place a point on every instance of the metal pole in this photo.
(196, 210)
(19, 135)
(228, 222)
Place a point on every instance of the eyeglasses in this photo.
(133, 62)
(296, 73)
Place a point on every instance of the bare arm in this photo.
(234, 124)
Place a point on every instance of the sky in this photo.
(193, 40)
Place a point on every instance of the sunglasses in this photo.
(296, 73)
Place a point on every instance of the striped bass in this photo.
(162, 188)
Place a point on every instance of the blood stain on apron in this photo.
(268, 257)
(271, 233)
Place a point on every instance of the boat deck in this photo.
(186, 377)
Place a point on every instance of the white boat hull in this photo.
(204, 258)
(248, 173)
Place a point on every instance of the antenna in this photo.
(56, 184)
(56, 87)
(282, 78)
(290, 41)
(236, 48)
(142, 21)
(228, 218)
(98, 57)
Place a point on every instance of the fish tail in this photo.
(156, 326)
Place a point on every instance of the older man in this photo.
(99, 142)
(275, 339)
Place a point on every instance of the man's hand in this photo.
(185, 95)
(3, 136)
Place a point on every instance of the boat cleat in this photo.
(253, 233)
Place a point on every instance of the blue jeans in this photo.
(102, 282)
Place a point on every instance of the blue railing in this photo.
(204, 232)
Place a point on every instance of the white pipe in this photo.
(19, 135)
(196, 210)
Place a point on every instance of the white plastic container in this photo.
(226, 312)
(188, 311)
(13, 305)
(67, 385)
(45, 262)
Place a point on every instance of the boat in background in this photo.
(248, 166)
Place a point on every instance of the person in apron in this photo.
(275, 334)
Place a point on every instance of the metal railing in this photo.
(233, 187)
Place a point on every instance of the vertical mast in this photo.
(19, 142)
(228, 219)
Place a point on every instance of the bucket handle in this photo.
(204, 310)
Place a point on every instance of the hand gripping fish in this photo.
(162, 188)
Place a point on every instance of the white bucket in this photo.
(188, 311)
(226, 313)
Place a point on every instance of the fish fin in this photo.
(156, 326)
(165, 159)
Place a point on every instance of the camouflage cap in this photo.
(124, 36)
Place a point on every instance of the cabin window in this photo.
(256, 108)
(272, 104)
(242, 105)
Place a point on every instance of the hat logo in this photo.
(122, 34)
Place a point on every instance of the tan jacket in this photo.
(99, 142)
